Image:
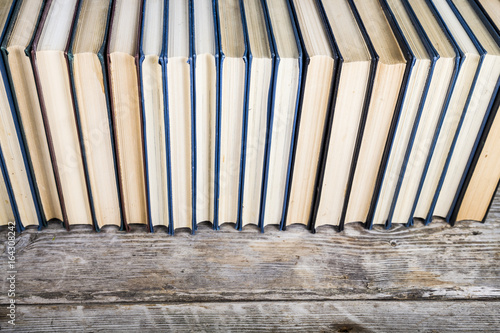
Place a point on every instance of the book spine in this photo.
(192, 62)
(218, 62)
(270, 117)
(247, 58)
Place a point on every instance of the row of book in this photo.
(319, 112)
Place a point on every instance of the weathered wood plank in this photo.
(438, 262)
(337, 316)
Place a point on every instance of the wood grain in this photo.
(434, 262)
(337, 316)
(427, 279)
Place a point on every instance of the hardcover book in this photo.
(259, 95)
(177, 78)
(477, 110)
(205, 57)
(389, 85)
(167, 114)
(481, 181)
(50, 66)
(421, 75)
(122, 65)
(320, 62)
(8, 209)
(357, 63)
(16, 50)
(444, 76)
(461, 114)
(12, 143)
(92, 108)
(153, 102)
(481, 104)
(287, 78)
(232, 94)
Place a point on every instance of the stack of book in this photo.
(317, 112)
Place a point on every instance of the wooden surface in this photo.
(328, 316)
(434, 278)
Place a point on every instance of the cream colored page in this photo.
(350, 100)
(492, 7)
(314, 110)
(152, 79)
(465, 78)
(205, 108)
(6, 213)
(123, 34)
(179, 111)
(94, 120)
(231, 113)
(154, 113)
(127, 121)
(285, 102)
(24, 88)
(61, 120)
(91, 26)
(14, 162)
(382, 106)
(256, 138)
(485, 177)
(284, 114)
(26, 94)
(476, 110)
(205, 135)
(401, 139)
(437, 94)
(25, 24)
(446, 135)
(5, 7)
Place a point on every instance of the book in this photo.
(483, 178)
(287, 78)
(481, 181)
(259, 95)
(356, 70)
(490, 10)
(167, 114)
(383, 113)
(479, 105)
(122, 58)
(180, 124)
(7, 204)
(459, 107)
(153, 102)
(11, 141)
(92, 108)
(16, 50)
(229, 133)
(205, 57)
(50, 66)
(421, 73)
(320, 62)
(445, 69)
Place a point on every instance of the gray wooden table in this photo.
(427, 279)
